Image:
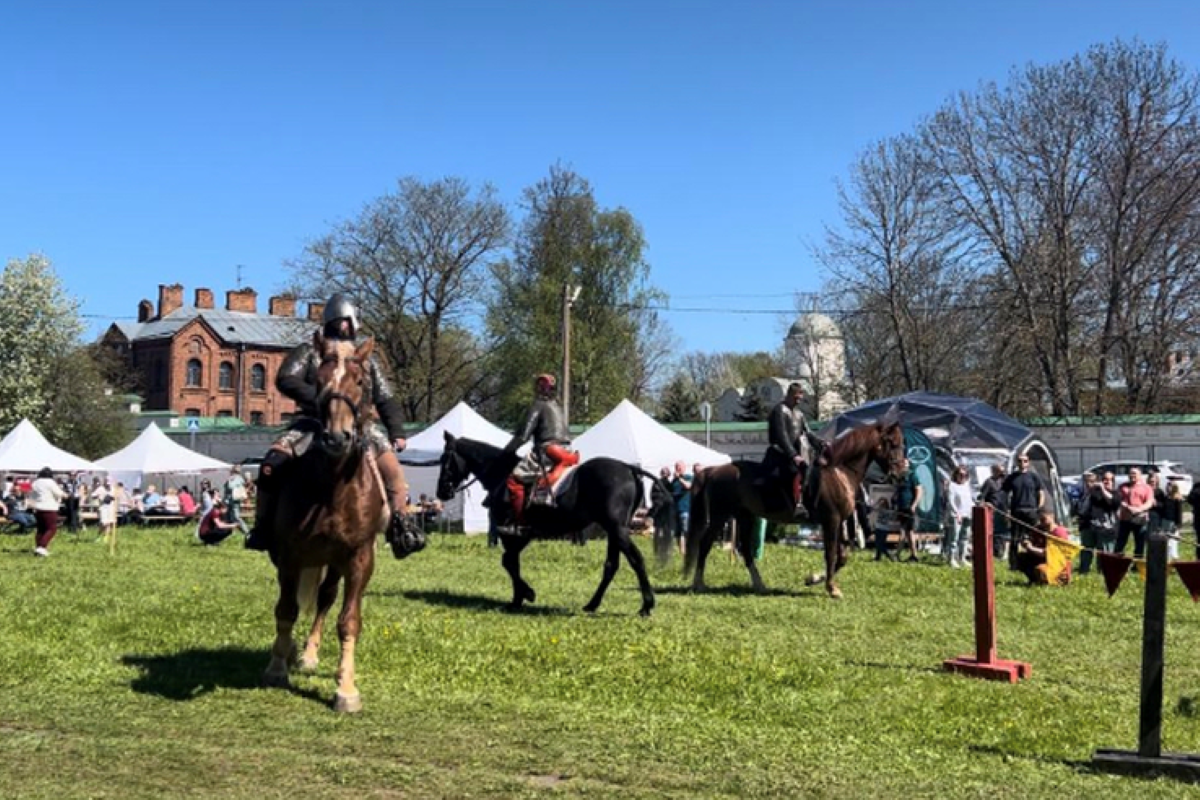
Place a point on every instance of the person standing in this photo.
(46, 497)
(75, 489)
(992, 493)
(906, 503)
(1193, 499)
(1026, 496)
(106, 509)
(1137, 498)
(1170, 518)
(1083, 516)
(681, 494)
(962, 500)
(233, 493)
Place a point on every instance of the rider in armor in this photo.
(296, 379)
(548, 429)
(790, 439)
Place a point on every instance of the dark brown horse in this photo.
(330, 509)
(742, 491)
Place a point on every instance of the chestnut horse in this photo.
(742, 491)
(601, 491)
(331, 506)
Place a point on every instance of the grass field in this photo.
(136, 676)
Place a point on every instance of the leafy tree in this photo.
(566, 239)
(415, 262)
(679, 401)
(49, 377)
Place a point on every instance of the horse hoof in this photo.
(645, 612)
(814, 579)
(347, 703)
(308, 665)
(530, 596)
(274, 679)
(591, 608)
(760, 589)
(835, 593)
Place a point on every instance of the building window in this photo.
(258, 378)
(195, 372)
(158, 375)
(224, 413)
(256, 418)
(225, 376)
(191, 412)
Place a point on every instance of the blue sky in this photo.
(171, 141)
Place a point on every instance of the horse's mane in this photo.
(855, 443)
(477, 449)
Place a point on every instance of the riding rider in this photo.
(297, 379)
(789, 438)
(548, 428)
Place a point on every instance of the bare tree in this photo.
(415, 262)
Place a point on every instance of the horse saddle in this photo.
(550, 486)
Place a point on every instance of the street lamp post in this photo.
(570, 295)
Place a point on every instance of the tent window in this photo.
(195, 372)
(258, 378)
(225, 375)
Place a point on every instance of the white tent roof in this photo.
(629, 434)
(154, 452)
(462, 420)
(24, 449)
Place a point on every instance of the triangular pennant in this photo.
(1059, 555)
(1114, 568)
(1189, 573)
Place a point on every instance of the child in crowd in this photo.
(1031, 555)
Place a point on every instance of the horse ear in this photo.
(365, 349)
(448, 436)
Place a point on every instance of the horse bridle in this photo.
(329, 395)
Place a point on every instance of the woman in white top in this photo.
(962, 499)
(46, 496)
(106, 508)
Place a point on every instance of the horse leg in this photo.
(347, 700)
(638, 564)
(522, 591)
(325, 597)
(831, 531)
(283, 651)
(703, 546)
(746, 541)
(612, 561)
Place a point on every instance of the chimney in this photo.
(316, 311)
(242, 300)
(283, 306)
(169, 298)
(204, 298)
(145, 311)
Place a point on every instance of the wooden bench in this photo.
(149, 520)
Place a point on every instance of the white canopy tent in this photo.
(424, 450)
(24, 449)
(153, 453)
(629, 434)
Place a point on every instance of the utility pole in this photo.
(570, 295)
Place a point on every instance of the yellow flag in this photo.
(1140, 563)
(1059, 555)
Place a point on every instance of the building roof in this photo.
(233, 327)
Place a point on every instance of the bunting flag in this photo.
(1141, 568)
(1059, 555)
(1189, 573)
(1114, 567)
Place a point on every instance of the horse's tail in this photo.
(697, 522)
(662, 513)
(306, 591)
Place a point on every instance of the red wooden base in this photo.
(999, 670)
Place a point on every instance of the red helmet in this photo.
(545, 383)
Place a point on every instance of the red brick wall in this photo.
(242, 300)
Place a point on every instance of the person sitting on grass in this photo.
(1031, 553)
(214, 528)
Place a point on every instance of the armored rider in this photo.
(790, 439)
(297, 379)
(547, 427)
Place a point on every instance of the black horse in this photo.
(601, 491)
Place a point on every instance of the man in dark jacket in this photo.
(1026, 497)
(297, 379)
(549, 455)
(789, 437)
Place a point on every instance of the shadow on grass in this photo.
(476, 602)
(740, 590)
(193, 673)
(1070, 763)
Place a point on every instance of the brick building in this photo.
(199, 360)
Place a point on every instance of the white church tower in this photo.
(814, 352)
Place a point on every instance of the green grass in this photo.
(137, 676)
